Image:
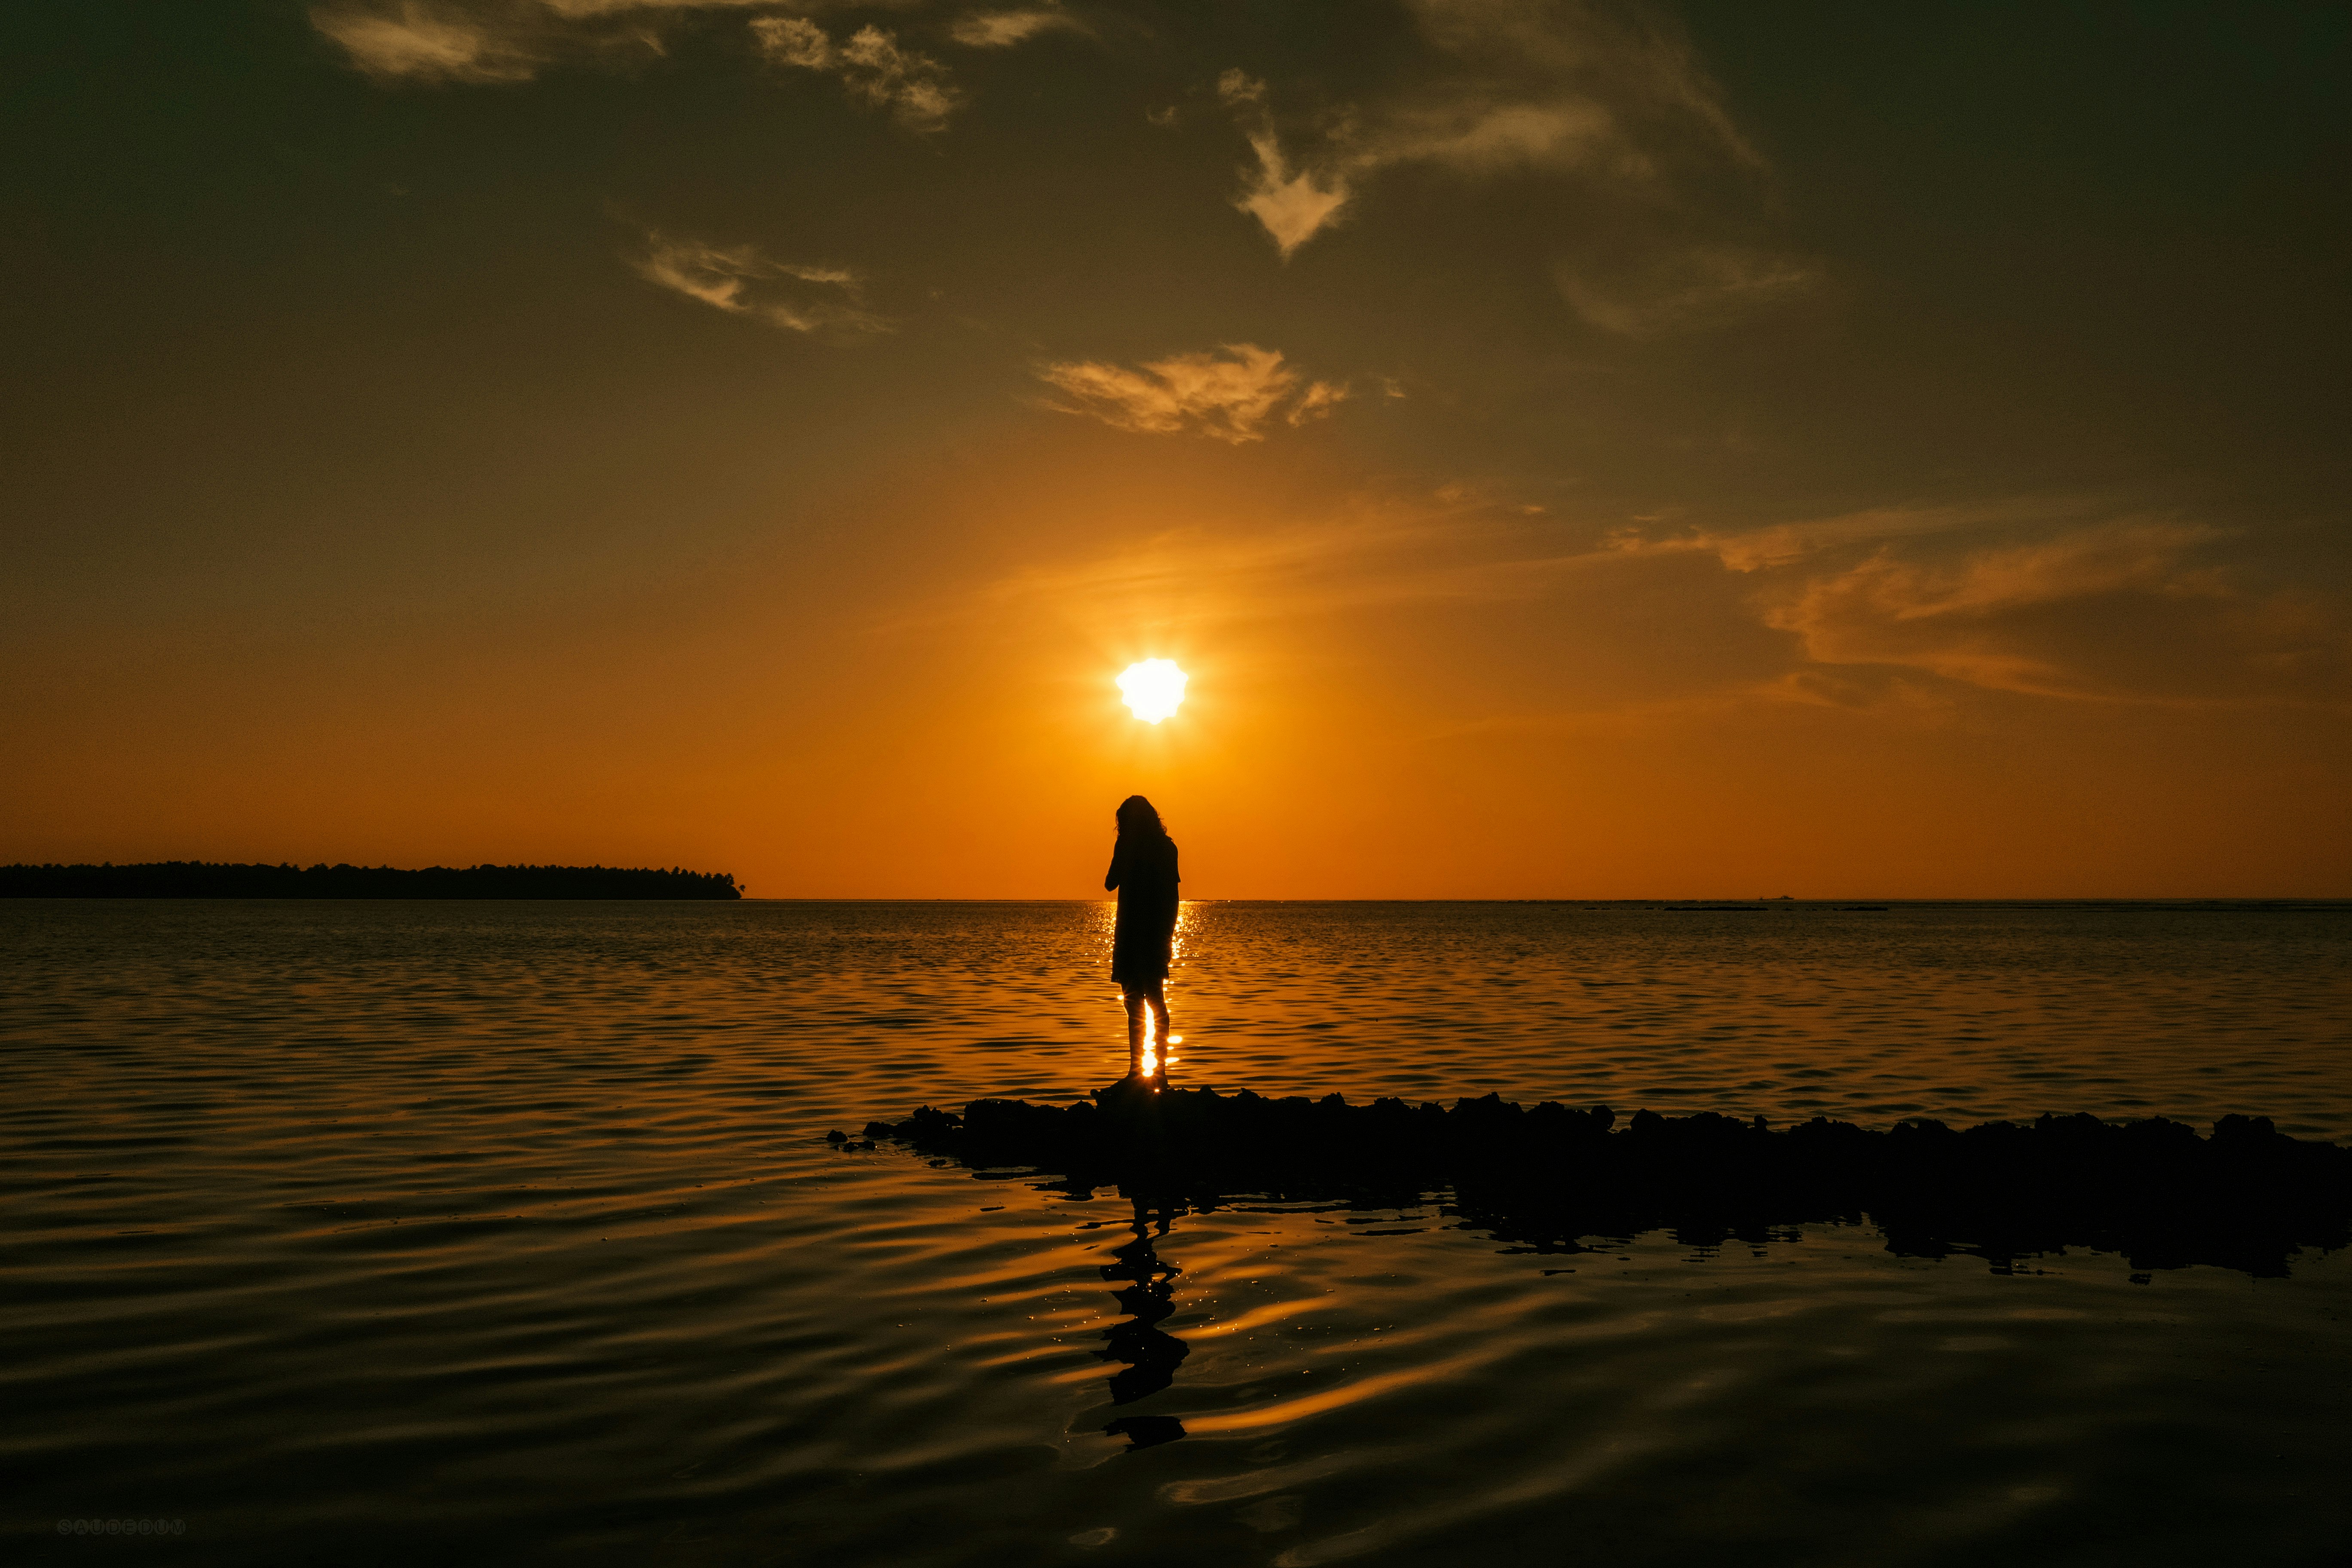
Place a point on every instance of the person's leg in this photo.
(1136, 1035)
(1157, 999)
(1146, 1027)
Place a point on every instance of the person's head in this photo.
(1136, 816)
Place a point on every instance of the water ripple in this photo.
(364, 1233)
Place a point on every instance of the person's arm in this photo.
(1112, 879)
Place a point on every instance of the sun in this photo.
(1153, 688)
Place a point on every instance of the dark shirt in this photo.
(1143, 872)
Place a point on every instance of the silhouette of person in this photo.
(1143, 873)
(1151, 1353)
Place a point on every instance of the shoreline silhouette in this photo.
(207, 880)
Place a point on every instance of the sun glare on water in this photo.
(1153, 688)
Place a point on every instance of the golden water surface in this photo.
(385, 1232)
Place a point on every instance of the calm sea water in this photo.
(381, 1232)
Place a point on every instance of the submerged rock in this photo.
(2245, 1197)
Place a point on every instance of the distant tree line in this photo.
(204, 879)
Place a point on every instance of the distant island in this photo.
(204, 879)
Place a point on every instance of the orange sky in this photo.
(1572, 458)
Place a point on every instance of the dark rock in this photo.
(2247, 1197)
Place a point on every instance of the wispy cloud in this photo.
(427, 41)
(1292, 205)
(513, 40)
(1229, 393)
(1786, 543)
(2123, 611)
(1619, 91)
(1001, 30)
(1898, 608)
(1679, 288)
(1512, 84)
(1316, 402)
(1371, 554)
(415, 40)
(587, 8)
(870, 63)
(741, 281)
(1613, 100)
(2052, 597)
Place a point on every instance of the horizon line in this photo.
(1838, 899)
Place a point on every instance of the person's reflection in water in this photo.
(1143, 874)
(1152, 1354)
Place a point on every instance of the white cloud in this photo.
(870, 63)
(1227, 394)
(741, 281)
(1001, 30)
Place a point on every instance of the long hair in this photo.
(1136, 816)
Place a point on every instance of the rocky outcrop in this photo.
(2245, 1197)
